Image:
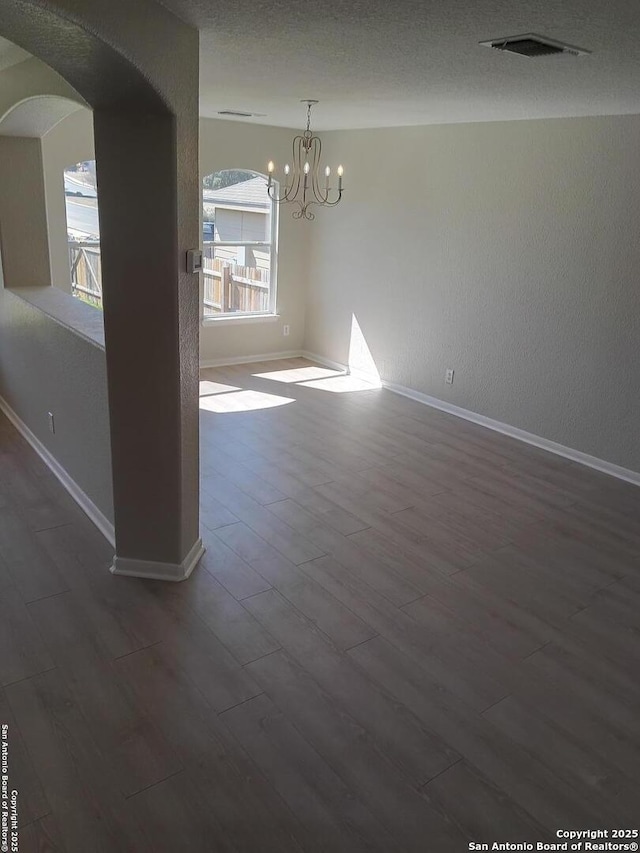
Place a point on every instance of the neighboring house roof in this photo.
(251, 193)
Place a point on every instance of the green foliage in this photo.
(219, 180)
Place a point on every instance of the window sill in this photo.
(83, 320)
(228, 319)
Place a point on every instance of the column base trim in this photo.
(153, 570)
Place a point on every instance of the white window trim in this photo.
(224, 319)
(272, 314)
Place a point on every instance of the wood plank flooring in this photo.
(407, 633)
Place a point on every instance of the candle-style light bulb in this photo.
(270, 167)
(286, 169)
(340, 174)
(306, 168)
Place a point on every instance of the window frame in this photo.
(272, 245)
(92, 296)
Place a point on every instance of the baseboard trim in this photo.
(275, 356)
(372, 378)
(602, 465)
(325, 362)
(84, 502)
(152, 570)
(589, 461)
(249, 359)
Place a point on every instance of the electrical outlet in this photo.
(285, 330)
(52, 423)
(448, 376)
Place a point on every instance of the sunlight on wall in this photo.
(360, 359)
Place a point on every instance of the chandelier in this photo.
(302, 184)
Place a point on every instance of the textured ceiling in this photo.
(399, 62)
(384, 63)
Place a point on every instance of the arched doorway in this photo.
(146, 125)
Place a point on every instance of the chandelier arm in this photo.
(305, 189)
(289, 194)
(326, 203)
(317, 152)
(333, 203)
(295, 178)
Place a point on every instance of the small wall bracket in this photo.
(194, 261)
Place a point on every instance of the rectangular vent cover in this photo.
(532, 45)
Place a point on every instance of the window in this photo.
(83, 231)
(239, 231)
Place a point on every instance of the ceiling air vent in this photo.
(236, 113)
(532, 45)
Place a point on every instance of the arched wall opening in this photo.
(147, 108)
(37, 134)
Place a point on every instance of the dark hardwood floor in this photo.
(407, 633)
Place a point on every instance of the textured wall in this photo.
(45, 367)
(507, 251)
(23, 223)
(144, 92)
(237, 145)
(223, 145)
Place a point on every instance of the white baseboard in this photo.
(275, 356)
(152, 570)
(367, 376)
(521, 435)
(325, 362)
(249, 359)
(610, 468)
(84, 502)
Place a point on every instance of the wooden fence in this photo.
(230, 288)
(86, 271)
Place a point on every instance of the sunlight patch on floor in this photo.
(242, 401)
(299, 374)
(207, 388)
(341, 384)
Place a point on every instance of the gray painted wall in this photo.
(223, 145)
(45, 367)
(23, 221)
(507, 251)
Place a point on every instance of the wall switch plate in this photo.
(285, 329)
(194, 261)
(52, 423)
(448, 376)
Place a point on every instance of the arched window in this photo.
(239, 236)
(83, 231)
